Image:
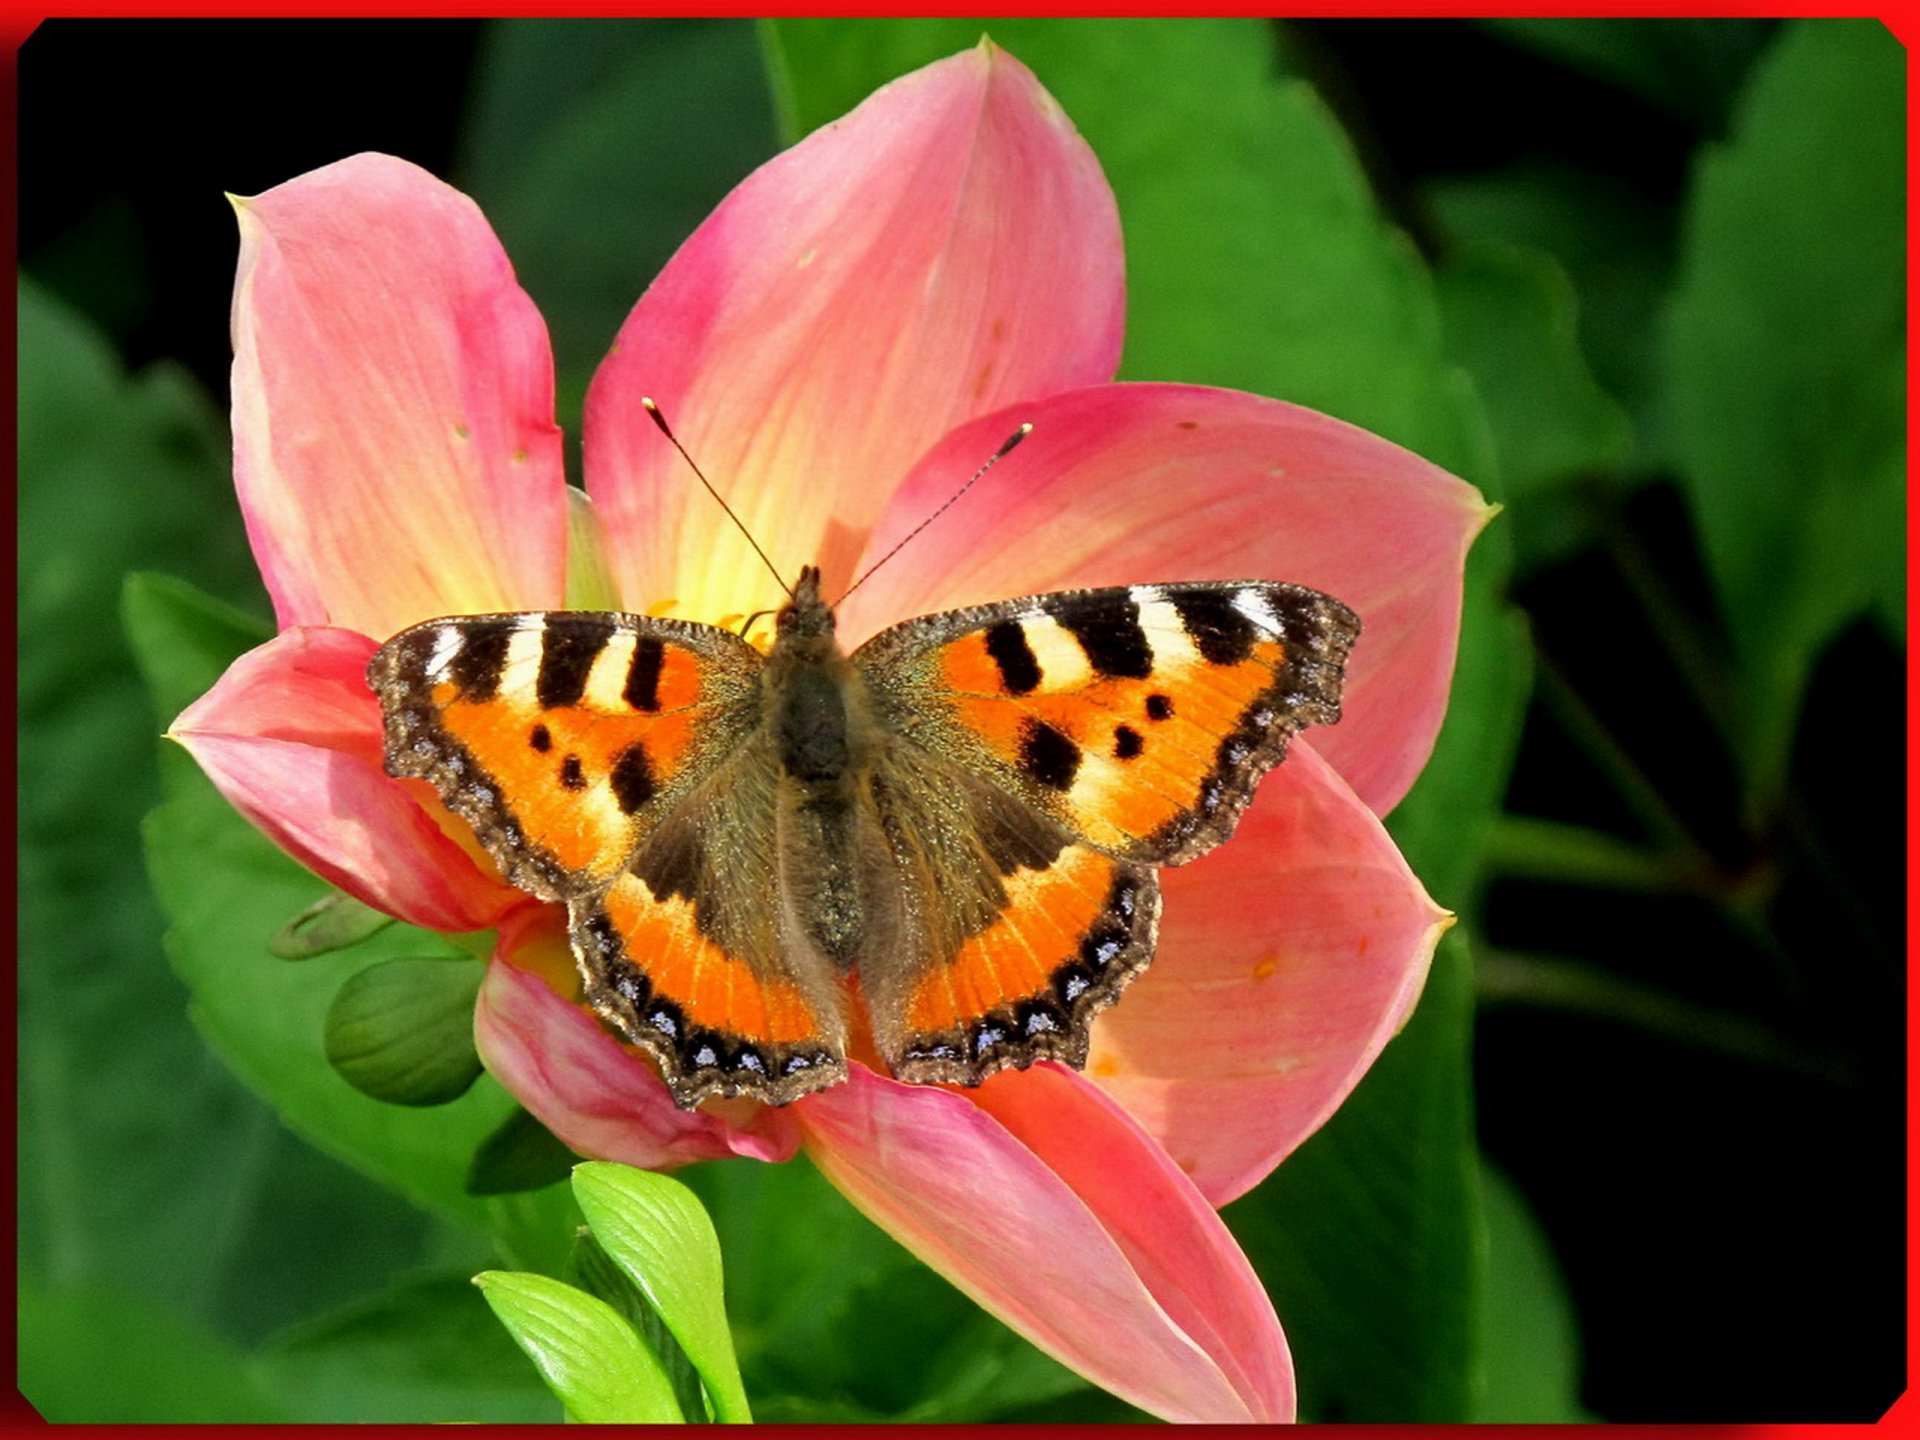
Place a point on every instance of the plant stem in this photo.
(1504, 977)
(1522, 847)
(1641, 795)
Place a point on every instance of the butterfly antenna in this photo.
(1005, 449)
(646, 403)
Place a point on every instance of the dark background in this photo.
(1713, 1138)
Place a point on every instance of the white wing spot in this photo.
(446, 645)
(1173, 647)
(524, 646)
(607, 681)
(1061, 658)
(1253, 605)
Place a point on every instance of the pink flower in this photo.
(854, 329)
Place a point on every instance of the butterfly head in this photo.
(807, 616)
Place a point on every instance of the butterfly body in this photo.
(939, 849)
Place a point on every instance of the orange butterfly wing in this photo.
(1139, 718)
(1130, 727)
(613, 762)
(562, 738)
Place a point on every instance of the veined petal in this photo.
(1125, 484)
(291, 735)
(394, 444)
(1065, 1220)
(1287, 959)
(600, 1097)
(949, 246)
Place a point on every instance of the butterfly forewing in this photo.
(563, 737)
(1139, 718)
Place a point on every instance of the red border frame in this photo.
(19, 19)
(1902, 18)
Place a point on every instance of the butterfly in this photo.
(941, 846)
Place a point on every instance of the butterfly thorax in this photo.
(808, 684)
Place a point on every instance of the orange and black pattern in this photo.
(1140, 718)
(562, 738)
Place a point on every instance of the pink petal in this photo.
(600, 1097)
(291, 735)
(1050, 1208)
(1123, 484)
(394, 443)
(1169, 1231)
(948, 247)
(1287, 959)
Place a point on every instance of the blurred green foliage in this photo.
(250, 1237)
(1787, 369)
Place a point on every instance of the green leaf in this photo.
(1510, 320)
(1689, 67)
(522, 1154)
(1369, 1236)
(402, 1030)
(1616, 247)
(589, 1356)
(655, 1230)
(594, 1271)
(425, 1352)
(101, 1358)
(182, 637)
(117, 473)
(146, 1169)
(118, 1129)
(1528, 1329)
(1447, 822)
(1787, 368)
(226, 888)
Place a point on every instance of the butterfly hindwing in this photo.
(1006, 938)
(1139, 718)
(562, 738)
(691, 955)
